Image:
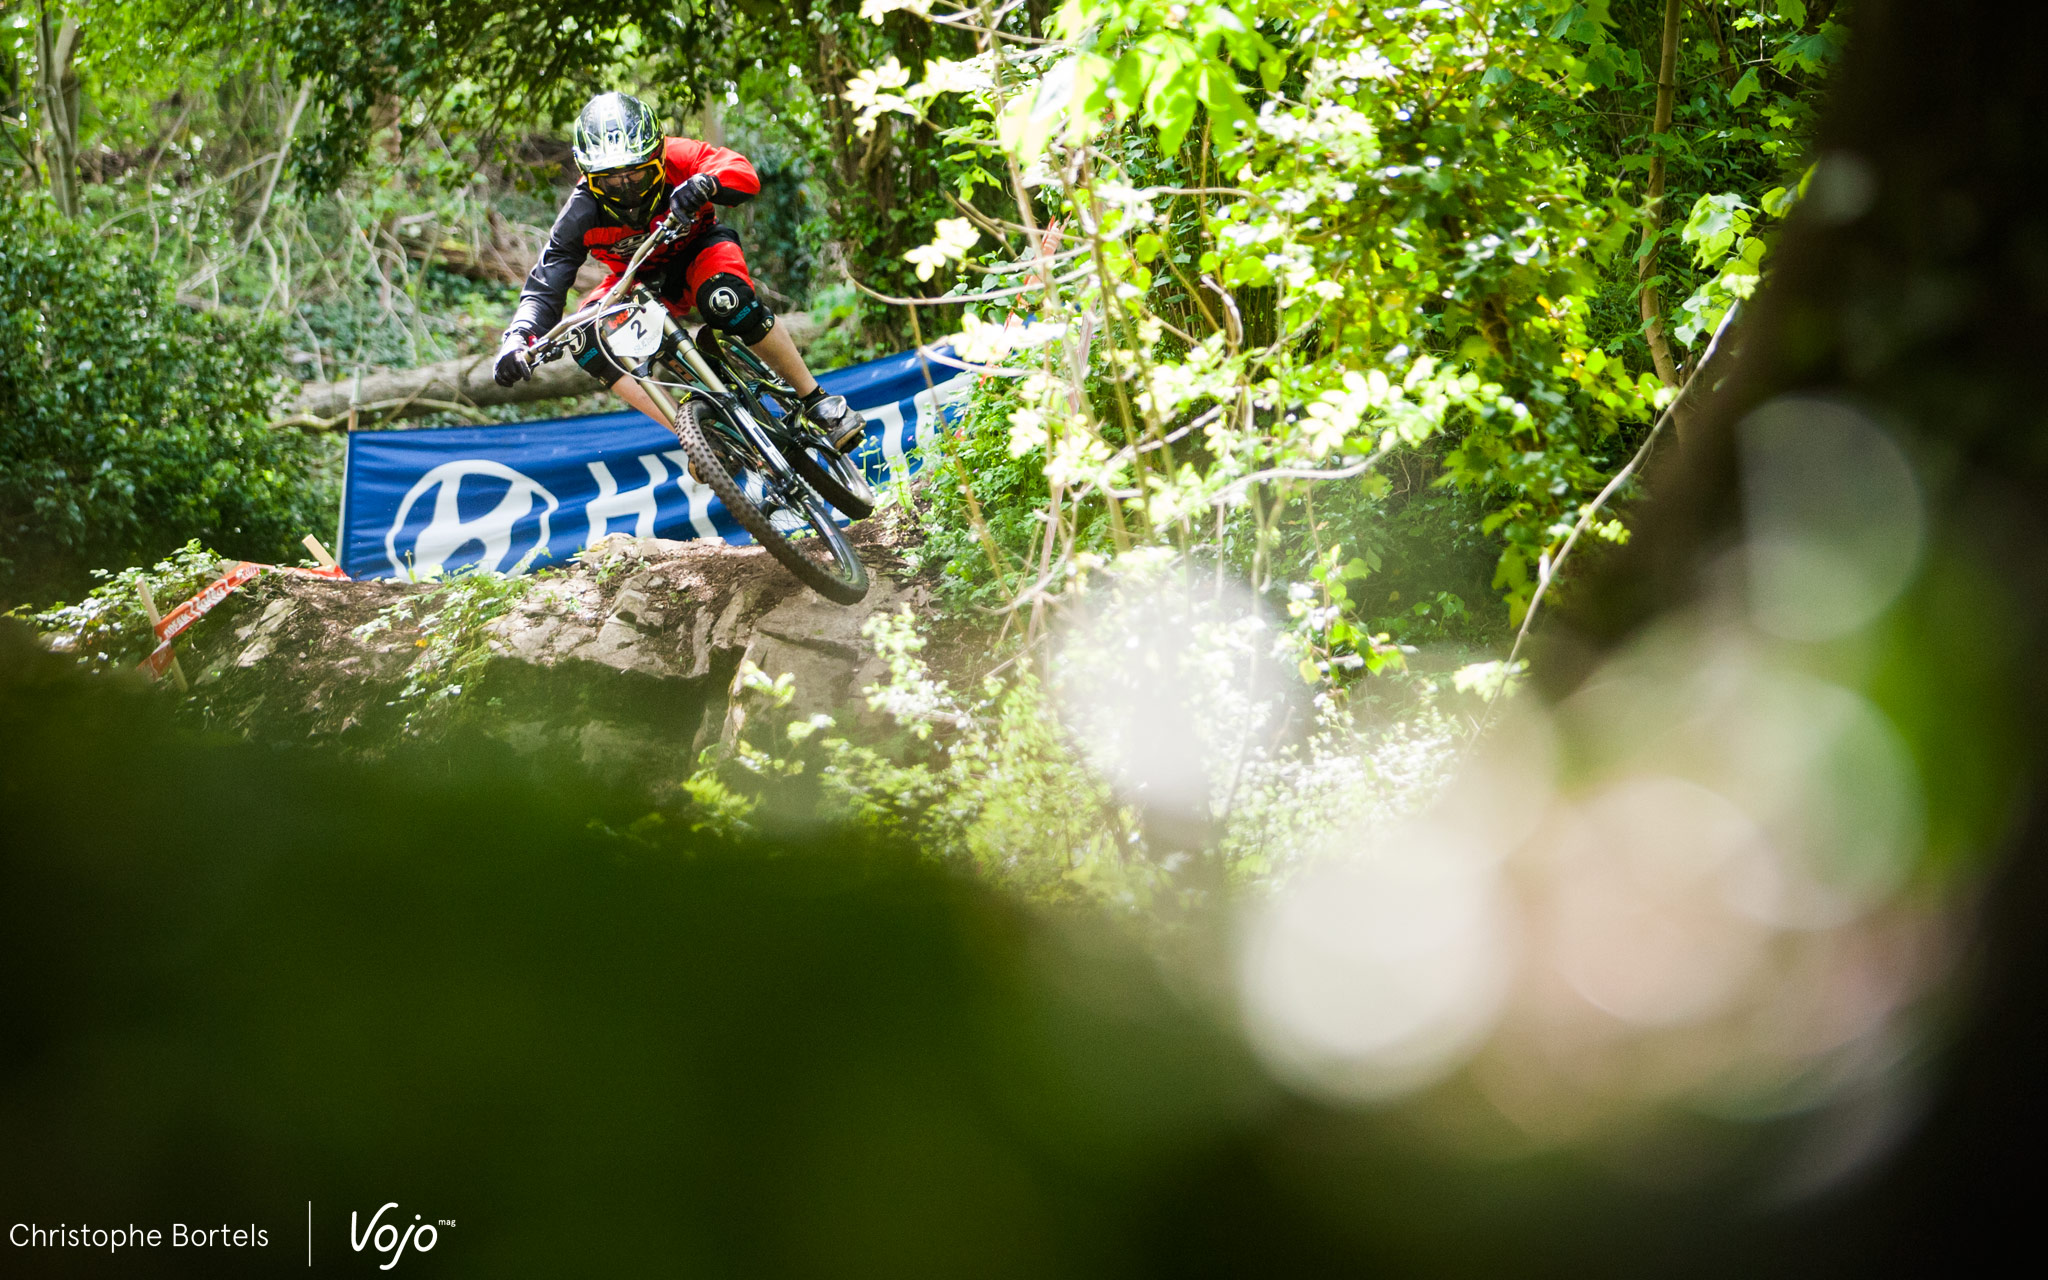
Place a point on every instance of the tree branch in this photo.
(1649, 297)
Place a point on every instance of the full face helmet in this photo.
(618, 148)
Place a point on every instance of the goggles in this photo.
(627, 186)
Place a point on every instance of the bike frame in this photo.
(734, 420)
(748, 450)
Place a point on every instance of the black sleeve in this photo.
(547, 285)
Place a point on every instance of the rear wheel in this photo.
(824, 560)
(838, 479)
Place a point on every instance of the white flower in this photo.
(944, 75)
(870, 93)
(1027, 431)
(954, 237)
(1039, 333)
(875, 10)
(980, 342)
(1078, 457)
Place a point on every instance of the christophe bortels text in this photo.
(25, 1235)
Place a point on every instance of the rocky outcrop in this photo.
(626, 661)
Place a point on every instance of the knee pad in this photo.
(729, 306)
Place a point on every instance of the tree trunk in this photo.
(1912, 286)
(430, 389)
(1653, 206)
(711, 121)
(57, 93)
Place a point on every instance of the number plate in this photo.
(636, 335)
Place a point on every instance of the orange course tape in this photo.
(174, 623)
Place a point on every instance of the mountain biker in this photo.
(636, 181)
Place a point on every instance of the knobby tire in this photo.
(850, 493)
(848, 586)
(838, 480)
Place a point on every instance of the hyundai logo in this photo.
(504, 533)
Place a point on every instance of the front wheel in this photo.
(825, 561)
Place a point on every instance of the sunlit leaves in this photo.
(1716, 222)
(1719, 228)
(1031, 119)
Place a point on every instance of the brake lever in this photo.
(547, 348)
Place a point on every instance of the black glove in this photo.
(513, 365)
(691, 195)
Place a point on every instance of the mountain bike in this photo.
(741, 427)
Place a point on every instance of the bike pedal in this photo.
(851, 435)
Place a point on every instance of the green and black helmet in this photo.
(618, 148)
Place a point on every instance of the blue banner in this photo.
(524, 495)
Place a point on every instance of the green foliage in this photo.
(471, 59)
(785, 227)
(129, 423)
(1718, 230)
(1297, 243)
(998, 789)
(975, 456)
(986, 783)
(108, 630)
(838, 308)
(452, 619)
(992, 783)
(483, 67)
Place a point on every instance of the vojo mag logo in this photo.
(392, 1238)
(463, 515)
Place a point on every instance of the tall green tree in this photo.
(129, 423)
(375, 63)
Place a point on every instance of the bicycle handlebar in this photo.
(550, 345)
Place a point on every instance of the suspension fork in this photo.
(771, 457)
(757, 435)
(669, 406)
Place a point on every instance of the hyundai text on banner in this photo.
(424, 502)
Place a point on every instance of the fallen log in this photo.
(462, 385)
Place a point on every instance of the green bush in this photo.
(130, 424)
(107, 630)
(999, 783)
